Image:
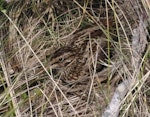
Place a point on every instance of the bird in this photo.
(79, 57)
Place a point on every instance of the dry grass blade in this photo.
(10, 91)
(67, 58)
(139, 42)
(41, 63)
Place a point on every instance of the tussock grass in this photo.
(31, 32)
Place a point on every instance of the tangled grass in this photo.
(31, 31)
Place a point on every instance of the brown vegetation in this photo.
(66, 58)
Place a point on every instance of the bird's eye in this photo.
(61, 59)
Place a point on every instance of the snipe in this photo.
(81, 55)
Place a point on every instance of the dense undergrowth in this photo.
(66, 57)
